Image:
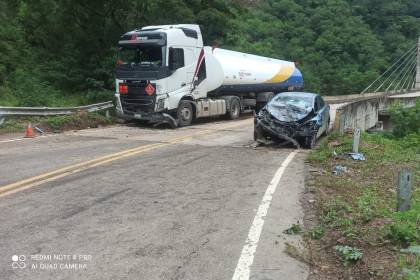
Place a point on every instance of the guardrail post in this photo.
(404, 191)
(356, 140)
(418, 66)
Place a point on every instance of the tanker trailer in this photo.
(164, 74)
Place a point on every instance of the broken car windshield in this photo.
(141, 56)
(302, 102)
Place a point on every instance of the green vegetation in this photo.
(294, 229)
(63, 52)
(405, 121)
(316, 232)
(349, 254)
(357, 209)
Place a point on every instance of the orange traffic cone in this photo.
(29, 131)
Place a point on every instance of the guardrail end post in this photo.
(356, 140)
(404, 191)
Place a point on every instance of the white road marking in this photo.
(12, 140)
(24, 138)
(242, 271)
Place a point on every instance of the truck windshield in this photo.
(140, 56)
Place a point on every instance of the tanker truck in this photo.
(164, 74)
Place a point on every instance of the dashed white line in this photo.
(243, 268)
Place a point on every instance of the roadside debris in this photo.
(254, 145)
(39, 130)
(339, 169)
(412, 250)
(357, 156)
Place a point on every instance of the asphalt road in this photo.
(129, 202)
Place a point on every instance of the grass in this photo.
(56, 124)
(357, 209)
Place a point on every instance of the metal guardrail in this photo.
(52, 111)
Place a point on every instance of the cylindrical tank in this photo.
(235, 72)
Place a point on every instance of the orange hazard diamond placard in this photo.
(149, 89)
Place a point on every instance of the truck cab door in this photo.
(177, 81)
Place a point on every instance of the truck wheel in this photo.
(185, 113)
(267, 98)
(235, 109)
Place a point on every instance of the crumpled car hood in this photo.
(287, 113)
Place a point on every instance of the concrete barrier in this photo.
(364, 113)
(406, 100)
(337, 99)
(361, 114)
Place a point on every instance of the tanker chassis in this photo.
(165, 74)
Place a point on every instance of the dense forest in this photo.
(63, 52)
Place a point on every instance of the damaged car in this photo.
(296, 117)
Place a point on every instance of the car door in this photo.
(325, 108)
(323, 113)
(319, 111)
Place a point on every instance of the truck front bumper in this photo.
(151, 117)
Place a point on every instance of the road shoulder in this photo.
(271, 260)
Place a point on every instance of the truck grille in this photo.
(137, 100)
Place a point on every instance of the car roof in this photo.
(296, 93)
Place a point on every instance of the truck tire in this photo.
(234, 109)
(185, 113)
(267, 97)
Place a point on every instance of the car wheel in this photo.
(310, 141)
(258, 133)
(185, 113)
(235, 109)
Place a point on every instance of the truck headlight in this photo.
(160, 104)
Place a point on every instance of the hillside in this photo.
(63, 52)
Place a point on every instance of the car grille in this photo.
(287, 128)
(137, 100)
